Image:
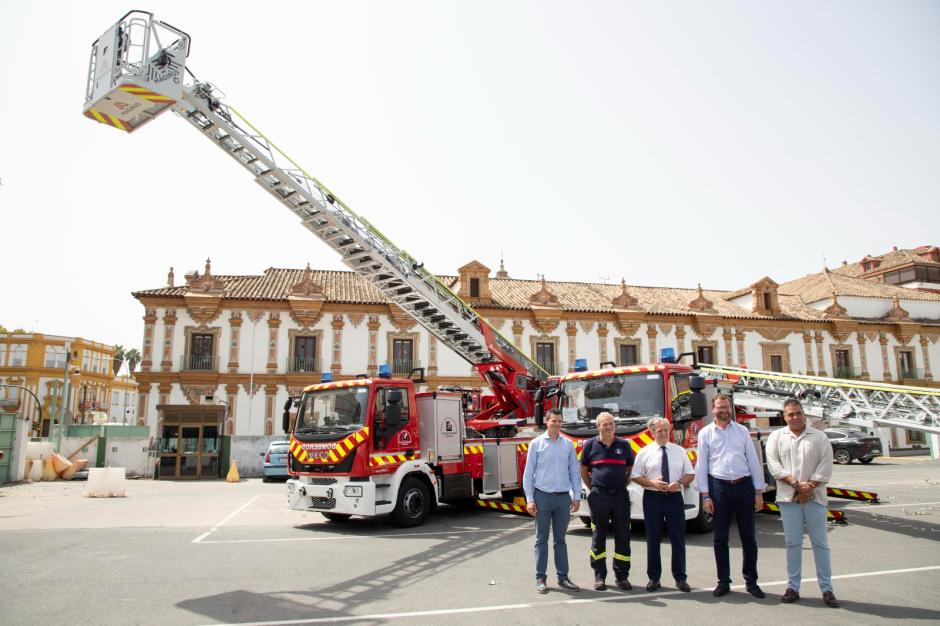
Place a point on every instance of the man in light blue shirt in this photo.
(731, 480)
(552, 485)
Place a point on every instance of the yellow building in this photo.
(37, 362)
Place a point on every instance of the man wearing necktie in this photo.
(663, 469)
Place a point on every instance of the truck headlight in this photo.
(352, 491)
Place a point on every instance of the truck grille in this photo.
(318, 480)
(322, 503)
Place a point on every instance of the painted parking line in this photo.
(227, 518)
(356, 537)
(535, 605)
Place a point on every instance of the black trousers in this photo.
(610, 508)
(737, 500)
(659, 507)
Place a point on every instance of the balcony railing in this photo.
(199, 363)
(404, 366)
(911, 373)
(302, 365)
(91, 405)
(845, 371)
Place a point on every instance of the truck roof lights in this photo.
(667, 355)
(326, 377)
(385, 371)
(580, 365)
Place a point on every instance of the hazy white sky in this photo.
(668, 143)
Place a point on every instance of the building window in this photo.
(706, 354)
(545, 356)
(776, 363)
(474, 287)
(18, 355)
(3, 354)
(842, 360)
(201, 355)
(907, 368)
(628, 354)
(55, 357)
(305, 357)
(915, 436)
(402, 356)
(781, 350)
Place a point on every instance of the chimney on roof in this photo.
(170, 278)
(844, 263)
(894, 248)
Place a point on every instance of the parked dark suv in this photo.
(848, 445)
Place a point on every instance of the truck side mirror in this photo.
(285, 420)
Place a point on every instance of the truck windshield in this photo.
(631, 398)
(332, 410)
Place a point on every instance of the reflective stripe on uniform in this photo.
(620, 557)
(596, 557)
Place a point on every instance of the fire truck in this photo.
(375, 446)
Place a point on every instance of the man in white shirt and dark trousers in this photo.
(800, 460)
(552, 486)
(731, 480)
(663, 469)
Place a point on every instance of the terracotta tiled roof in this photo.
(895, 258)
(507, 293)
(816, 287)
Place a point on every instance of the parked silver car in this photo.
(275, 460)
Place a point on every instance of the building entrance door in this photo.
(189, 444)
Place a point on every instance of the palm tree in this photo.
(133, 358)
(118, 358)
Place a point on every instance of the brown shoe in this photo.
(830, 599)
(790, 596)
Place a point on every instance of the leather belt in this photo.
(735, 481)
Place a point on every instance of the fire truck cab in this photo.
(634, 395)
(374, 446)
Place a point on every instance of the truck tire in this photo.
(337, 518)
(701, 523)
(414, 503)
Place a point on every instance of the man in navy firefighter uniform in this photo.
(606, 461)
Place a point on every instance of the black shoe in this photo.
(540, 585)
(599, 584)
(721, 590)
(681, 585)
(652, 585)
(830, 599)
(565, 583)
(624, 584)
(790, 595)
(755, 590)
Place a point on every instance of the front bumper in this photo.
(331, 495)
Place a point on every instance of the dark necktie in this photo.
(665, 466)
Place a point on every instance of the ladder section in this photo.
(361, 246)
(860, 403)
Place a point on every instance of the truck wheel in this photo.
(414, 503)
(842, 456)
(337, 518)
(701, 523)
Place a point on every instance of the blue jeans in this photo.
(813, 515)
(555, 511)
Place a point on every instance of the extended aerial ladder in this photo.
(134, 77)
(855, 402)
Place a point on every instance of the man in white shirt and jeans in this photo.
(800, 460)
(663, 469)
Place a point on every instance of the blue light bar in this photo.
(326, 377)
(385, 371)
(667, 355)
(580, 365)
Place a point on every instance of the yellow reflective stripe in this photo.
(333, 456)
(359, 438)
(621, 557)
(593, 527)
(602, 555)
(646, 438)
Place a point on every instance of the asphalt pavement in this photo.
(214, 552)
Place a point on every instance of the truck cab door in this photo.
(395, 423)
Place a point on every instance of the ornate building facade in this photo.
(231, 349)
